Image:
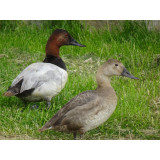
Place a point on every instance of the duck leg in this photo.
(48, 104)
(81, 131)
(34, 106)
(81, 136)
(75, 135)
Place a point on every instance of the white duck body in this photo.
(42, 81)
(46, 79)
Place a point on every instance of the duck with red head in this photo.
(43, 80)
(58, 38)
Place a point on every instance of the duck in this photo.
(43, 80)
(91, 108)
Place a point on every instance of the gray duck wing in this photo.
(78, 101)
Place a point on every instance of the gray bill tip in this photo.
(126, 73)
(75, 43)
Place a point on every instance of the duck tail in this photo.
(14, 90)
(9, 93)
(41, 130)
(44, 128)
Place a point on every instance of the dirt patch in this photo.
(149, 132)
(15, 137)
(3, 55)
(101, 24)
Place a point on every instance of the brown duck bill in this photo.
(126, 73)
(75, 43)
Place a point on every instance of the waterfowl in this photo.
(91, 108)
(43, 80)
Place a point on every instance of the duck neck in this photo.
(103, 81)
(55, 60)
(52, 55)
(52, 49)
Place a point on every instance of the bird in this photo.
(43, 80)
(91, 108)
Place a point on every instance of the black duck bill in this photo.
(75, 43)
(126, 73)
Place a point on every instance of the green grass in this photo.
(137, 115)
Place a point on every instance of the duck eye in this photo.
(116, 64)
(66, 35)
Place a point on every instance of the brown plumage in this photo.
(9, 93)
(92, 108)
(57, 39)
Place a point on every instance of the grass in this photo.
(137, 115)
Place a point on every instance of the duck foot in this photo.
(34, 106)
(48, 105)
(81, 136)
(75, 135)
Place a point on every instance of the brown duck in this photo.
(92, 108)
